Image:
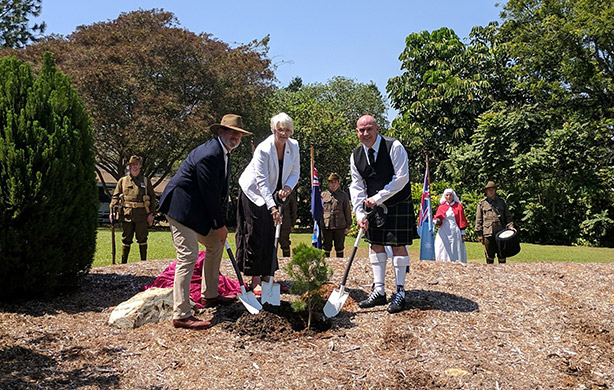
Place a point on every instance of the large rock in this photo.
(150, 306)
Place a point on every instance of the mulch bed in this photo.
(513, 326)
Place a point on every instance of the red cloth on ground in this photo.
(165, 279)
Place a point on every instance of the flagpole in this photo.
(427, 166)
(312, 162)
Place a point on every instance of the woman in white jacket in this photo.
(274, 167)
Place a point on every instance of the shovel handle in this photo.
(234, 263)
(351, 260)
(280, 203)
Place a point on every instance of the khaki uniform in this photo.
(337, 217)
(289, 220)
(492, 216)
(135, 200)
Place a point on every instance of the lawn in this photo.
(160, 246)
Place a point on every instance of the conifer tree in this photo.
(48, 195)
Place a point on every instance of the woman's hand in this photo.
(285, 192)
(276, 215)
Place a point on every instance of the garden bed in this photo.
(516, 326)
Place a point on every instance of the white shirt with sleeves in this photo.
(400, 178)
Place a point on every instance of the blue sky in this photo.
(314, 40)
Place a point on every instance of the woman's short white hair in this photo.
(282, 119)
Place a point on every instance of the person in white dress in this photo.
(450, 239)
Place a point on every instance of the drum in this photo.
(508, 244)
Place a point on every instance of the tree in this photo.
(309, 272)
(48, 195)
(325, 116)
(153, 88)
(551, 145)
(14, 26)
(535, 100)
(440, 94)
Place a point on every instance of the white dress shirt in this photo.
(400, 178)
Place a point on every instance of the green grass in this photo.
(160, 246)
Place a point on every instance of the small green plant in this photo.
(308, 272)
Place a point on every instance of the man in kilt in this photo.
(380, 182)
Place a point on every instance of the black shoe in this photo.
(375, 299)
(397, 303)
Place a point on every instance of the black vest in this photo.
(380, 173)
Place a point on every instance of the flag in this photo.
(317, 210)
(426, 230)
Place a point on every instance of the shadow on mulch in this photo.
(96, 292)
(437, 300)
(427, 300)
(22, 368)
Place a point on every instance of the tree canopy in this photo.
(15, 30)
(325, 116)
(534, 112)
(153, 88)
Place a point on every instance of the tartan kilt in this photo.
(399, 227)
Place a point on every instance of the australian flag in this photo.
(426, 230)
(317, 210)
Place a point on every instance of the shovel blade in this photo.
(271, 293)
(248, 299)
(335, 303)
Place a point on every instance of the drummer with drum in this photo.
(491, 217)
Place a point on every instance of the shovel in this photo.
(271, 291)
(337, 297)
(248, 299)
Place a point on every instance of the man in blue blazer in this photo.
(195, 203)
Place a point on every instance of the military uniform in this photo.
(289, 220)
(492, 216)
(337, 217)
(135, 200)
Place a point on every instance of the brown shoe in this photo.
(191, 323)
(219, 300)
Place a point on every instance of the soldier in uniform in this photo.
(135, 200)
(337, 216)
(287, 224)
(491, 217)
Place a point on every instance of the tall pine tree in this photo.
(48, 196)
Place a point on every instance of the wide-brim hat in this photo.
(490, 184)
(135, 159)
(229, 121)
(333, 176)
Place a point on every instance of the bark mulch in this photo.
(513, 326)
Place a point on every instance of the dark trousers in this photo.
(130, 228)
(284, 240)
(336, 235)
(490, 250)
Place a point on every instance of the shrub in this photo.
(48, 196)
(308, 272)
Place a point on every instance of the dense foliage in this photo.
(48, 195)
(309, 272)
(535, 113)
(15, 30)
(153, 88)
(325, 117)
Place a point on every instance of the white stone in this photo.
(150, 306)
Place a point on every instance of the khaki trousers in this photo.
(186, 244)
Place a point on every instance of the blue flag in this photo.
(317, 210)
(426, 230)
